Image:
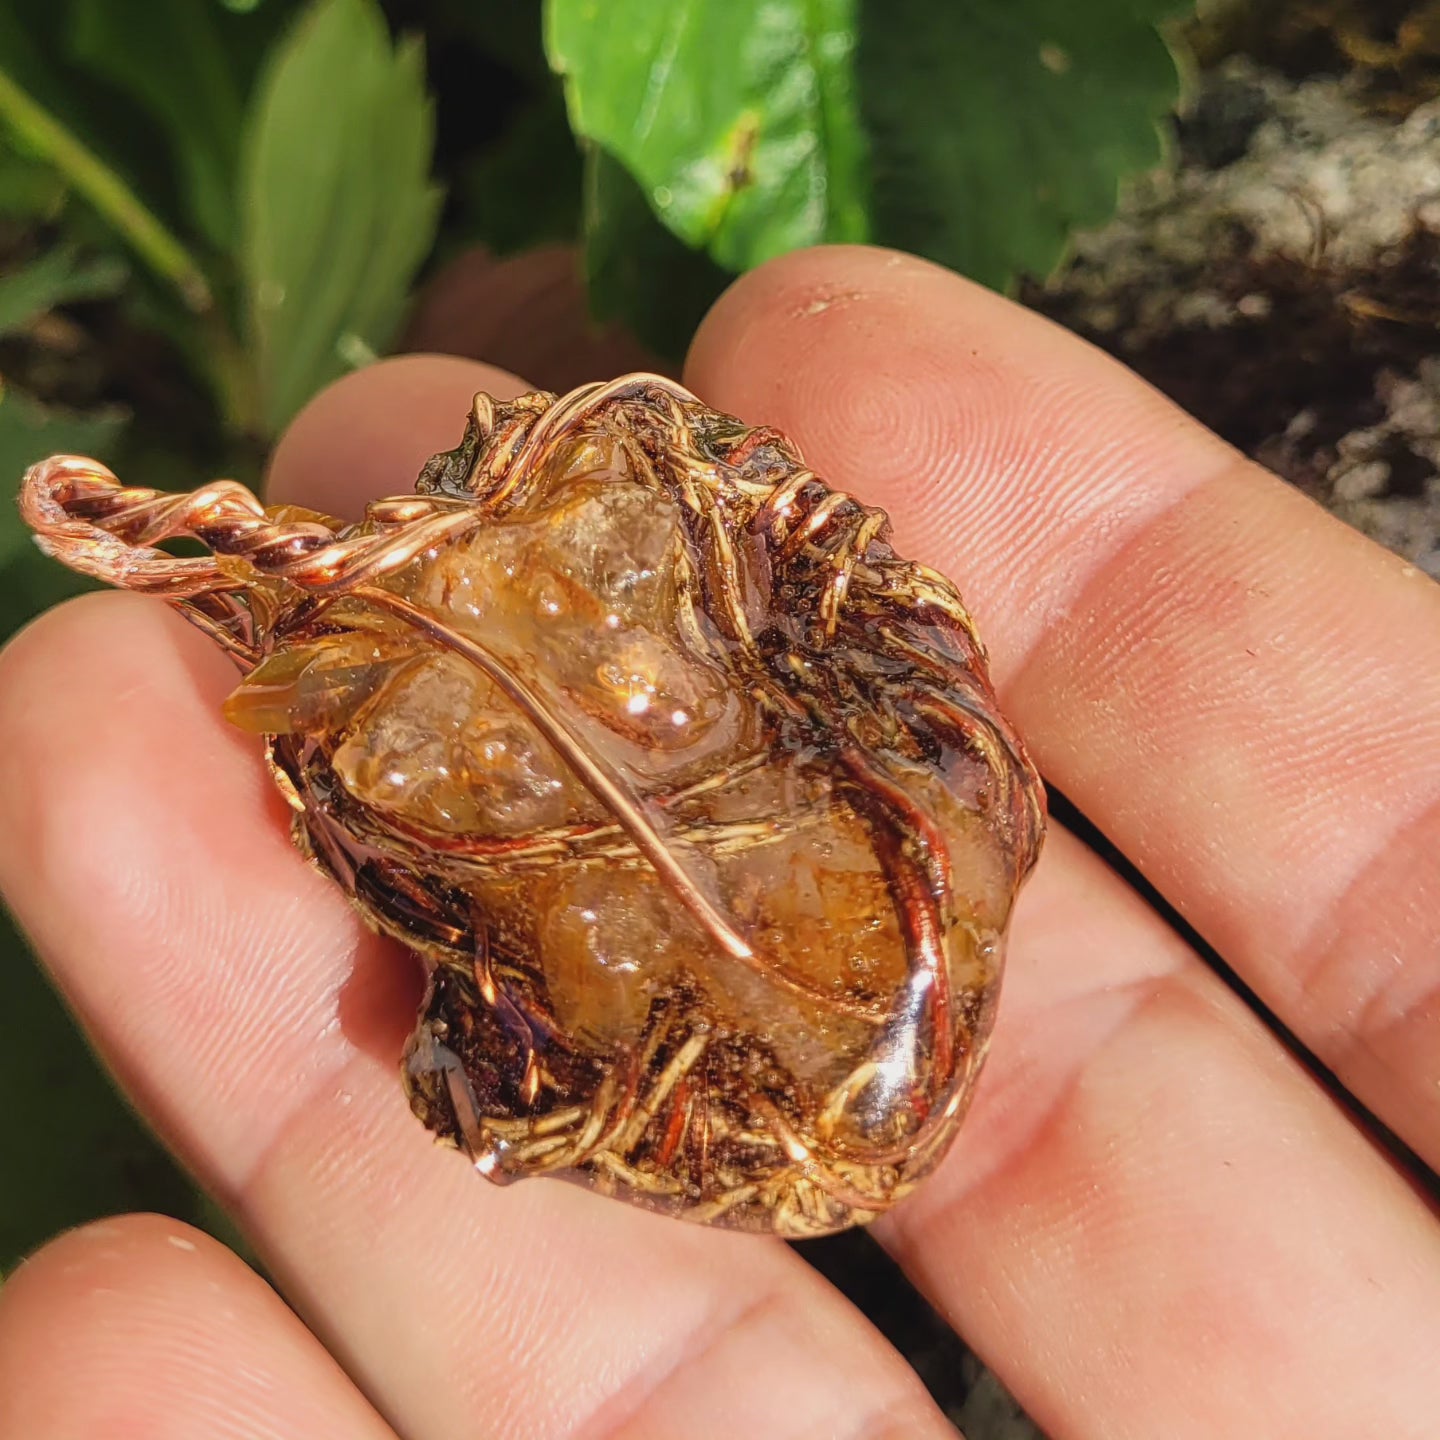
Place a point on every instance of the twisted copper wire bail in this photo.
(83, 516)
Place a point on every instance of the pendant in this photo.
(692, 795)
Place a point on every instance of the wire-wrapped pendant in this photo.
(691, 794)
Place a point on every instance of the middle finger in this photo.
(1149, 1193)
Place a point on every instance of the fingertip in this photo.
(141, 1325)
(802, 303)
(104, 1251)
(369, 433)
(92, 1302)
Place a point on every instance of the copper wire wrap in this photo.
(264, 560)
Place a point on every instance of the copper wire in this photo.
(83, 516)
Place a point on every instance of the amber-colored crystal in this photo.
(692, 795)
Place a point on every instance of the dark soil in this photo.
(1319, 346)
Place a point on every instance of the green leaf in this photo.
(176, 59)
(59, 277)
(997, 129)
(738, 118)
(637, 271)
(337, 204)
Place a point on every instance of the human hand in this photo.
(1155, 1221)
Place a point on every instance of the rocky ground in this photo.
(1282, 285)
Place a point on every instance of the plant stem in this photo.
(38, 129)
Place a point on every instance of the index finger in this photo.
(1244, 694)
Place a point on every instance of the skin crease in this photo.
(1154, 1222)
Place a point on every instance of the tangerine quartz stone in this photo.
(691, 794)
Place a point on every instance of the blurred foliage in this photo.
(274, 168)
(337, 208)
(211, 208)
